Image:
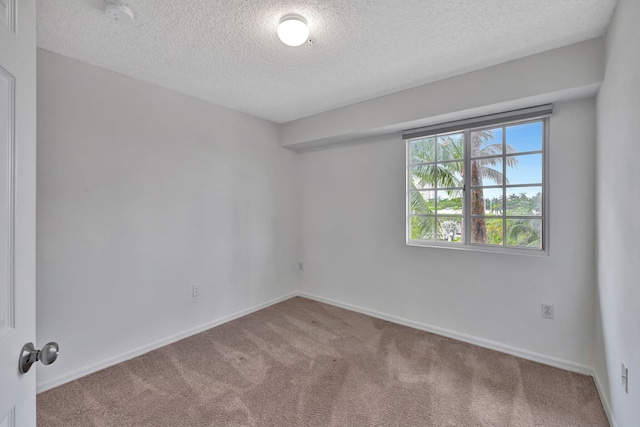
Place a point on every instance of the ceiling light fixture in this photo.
(119, 11)
(293, 30)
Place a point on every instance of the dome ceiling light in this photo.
(119, 11)
(293, 30)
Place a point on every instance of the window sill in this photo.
(479, 248)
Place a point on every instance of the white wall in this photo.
(143, 192)
(353, 247)
(618, 208)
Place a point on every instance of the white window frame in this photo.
(466, 127)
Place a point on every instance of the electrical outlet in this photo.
(195, 291)
(625, 378)
(301, 266)
(547, 311)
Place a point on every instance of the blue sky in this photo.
(523, 138)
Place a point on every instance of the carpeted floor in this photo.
(302, 363)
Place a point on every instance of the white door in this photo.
(17, 208)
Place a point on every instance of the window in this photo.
(480, 183)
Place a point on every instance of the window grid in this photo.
(436, 190)
(467, 216)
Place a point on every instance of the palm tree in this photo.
(434, 175)
(482, 145)
(524, 232)
(448, 175)
(421, 226)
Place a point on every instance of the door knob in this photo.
(29, 355)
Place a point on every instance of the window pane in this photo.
(486, 172)
(493, 203)
(451, 147)
(524, 201)
(450, 202)
(450, 229)
(423, 176)
(524, 169)
(422, 228)
(450, 174)
(494, 231)
(423, 150)
(526, 137)
(486, 142)
(422, 202)
(486, 231)
(524, 233)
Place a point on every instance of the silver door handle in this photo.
(29, 355)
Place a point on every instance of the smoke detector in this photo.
(119, 11)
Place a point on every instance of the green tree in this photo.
(443, 175)
(524, 232)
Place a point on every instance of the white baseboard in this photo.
(604, 399)
(74, 375)
(481, 342)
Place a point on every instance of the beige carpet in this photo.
(302, 363)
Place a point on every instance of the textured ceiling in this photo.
(227, 51)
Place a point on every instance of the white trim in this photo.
(603, 398)
(506, 117)
(10, 418)
(10, 206)
(10, 15)
(481, 342)
(475, 247)
(62, 379)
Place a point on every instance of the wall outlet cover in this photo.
(547, 311)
